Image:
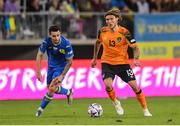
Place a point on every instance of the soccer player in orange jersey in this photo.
(115, 40)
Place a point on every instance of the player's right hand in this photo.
(39, 76)
(137, 63)
(93, 63)
(60, 78)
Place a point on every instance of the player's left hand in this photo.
(137, 63)
(60, 78)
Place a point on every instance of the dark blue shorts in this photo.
(53, 73)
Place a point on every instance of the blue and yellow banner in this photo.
(159, 50)
(157, 27)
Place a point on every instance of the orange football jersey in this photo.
(115, 45)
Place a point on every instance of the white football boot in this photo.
(118, 107)
(147, 113)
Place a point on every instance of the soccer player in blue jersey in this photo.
(60, 55)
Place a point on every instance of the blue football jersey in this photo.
(57, 54)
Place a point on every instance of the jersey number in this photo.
(112, 43)
(130, 73)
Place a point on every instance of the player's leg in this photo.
(67, 92)
(128, 76)
(108, 77)
(109, 89)
(48, 96)
(140, 96)
(63, 91)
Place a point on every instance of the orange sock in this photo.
(111, 95)
(141, 98)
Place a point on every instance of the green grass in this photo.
(165, 110)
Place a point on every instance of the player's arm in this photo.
(69, 58)
(136, 52)
(39, 58)
(134, 46)
(136, 55)
(97, 46)
(60, 78)
(67, 67)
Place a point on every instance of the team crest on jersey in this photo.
(62, 51)
(119, 39)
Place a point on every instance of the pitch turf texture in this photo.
(165, 110)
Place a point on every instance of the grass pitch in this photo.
(165, 110)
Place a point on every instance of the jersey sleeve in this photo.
(43, 46)
(129, 37)
(130, 40)
(69, 51)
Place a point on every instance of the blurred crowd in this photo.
(74, 16)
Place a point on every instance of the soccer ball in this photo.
(95, 110)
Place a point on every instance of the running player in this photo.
(60, 56)
(115, 40)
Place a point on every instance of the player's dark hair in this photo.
(54, 28)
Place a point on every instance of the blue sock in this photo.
(61, 90)
(47, 98)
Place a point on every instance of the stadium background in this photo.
(155, 24)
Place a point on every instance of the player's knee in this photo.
(138, 92)
(135, 88)
(109, 88)
(52, 89)
(108, 81)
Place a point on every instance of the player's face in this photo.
(55, 36)
(111, 21)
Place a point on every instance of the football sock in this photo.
(111, 94)
(61, 90)
(141, 98)
(47, 98)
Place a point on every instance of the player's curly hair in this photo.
(114, 11)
